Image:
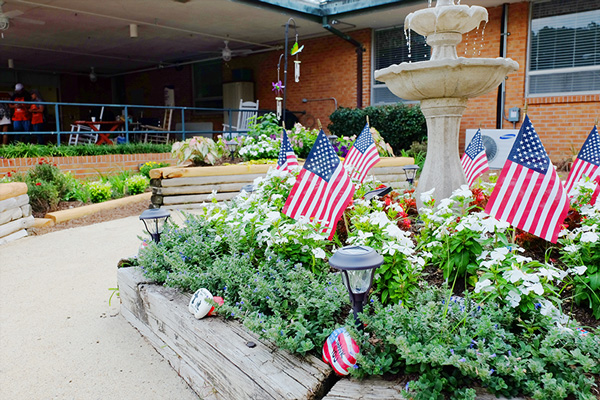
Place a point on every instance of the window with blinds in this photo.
(390, 47)
(564, 48)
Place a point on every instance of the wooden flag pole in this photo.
(368, 123)
(319, 123)
(525, 110)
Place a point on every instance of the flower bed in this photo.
(509, 330)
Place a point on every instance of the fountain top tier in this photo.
(444, 25)
(445, 75)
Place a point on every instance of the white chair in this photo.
(159, 134)
(77, 137)
(248, 109)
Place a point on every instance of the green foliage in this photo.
(150, 165)
(265, 292)
(453, 346)
(99, 191)
(581, 249)
(46, 186)
(200, 150)
(77, 190)
(22, 150)
(399, 125)
(264, 125)
(136, 184)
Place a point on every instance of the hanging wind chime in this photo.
(295, 51)
(278, 89)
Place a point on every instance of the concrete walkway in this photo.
(59, 337)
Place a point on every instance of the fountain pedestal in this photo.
(443, 171)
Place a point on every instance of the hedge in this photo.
(400, 125)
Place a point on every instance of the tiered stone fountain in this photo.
(443, 84)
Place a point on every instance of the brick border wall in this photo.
(86, 167)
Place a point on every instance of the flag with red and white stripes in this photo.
(287, 157)
(529, 194)
(340, 350)
(362, 156)
(322, 190)
(587, 162)
(474, 161)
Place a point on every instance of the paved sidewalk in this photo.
(59, 338)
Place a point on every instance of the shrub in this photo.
(21, 150)
(43, 196)
(76, 190)
(399, 125)
(46, 186)
(136, 184)
(199, 150)
(99, 191)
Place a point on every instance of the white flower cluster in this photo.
(261, 147)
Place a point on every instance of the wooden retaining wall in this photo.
(211, 354)
(188, 187)
(15, 211)
(86, 166)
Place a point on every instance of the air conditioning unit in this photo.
(497, 142)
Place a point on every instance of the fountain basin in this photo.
(451, 18)
(459, 78)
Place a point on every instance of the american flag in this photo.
(287, 156)
(323, 189)
(362, 156)
(474, 161)
(529, 194)
(587, 162)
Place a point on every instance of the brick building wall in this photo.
(328, 69)
(562, 122)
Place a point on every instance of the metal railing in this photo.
(129, 127)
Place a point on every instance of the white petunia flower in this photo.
(484, 285)
(514, 298)
(514, 275)
(426, 197)
(318, 253)
(589, 237)
(578, 270)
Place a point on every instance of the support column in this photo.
(442, 170)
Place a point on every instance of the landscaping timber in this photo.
(186, 187)
(15, 211)
(214, 356)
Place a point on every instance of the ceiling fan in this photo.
(6, 17)
(226, 53)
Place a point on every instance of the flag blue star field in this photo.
(474, 161)
(362, 156)
(287, 156)
(322, 190)
(529, 194)
(587, 162)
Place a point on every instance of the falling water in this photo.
(475, 41)
(466, 43)
(482, 37)
(409, 46)
(429, 4)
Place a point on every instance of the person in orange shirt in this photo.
(21, 117)
(37, 116)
